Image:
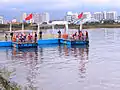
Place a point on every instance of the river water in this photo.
(58, 67)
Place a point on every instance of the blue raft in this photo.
(5, 43)
(42, 42)
(62, 41)
(73, 42)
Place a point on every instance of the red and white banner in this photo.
(29, 17)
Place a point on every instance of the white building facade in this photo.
(87, 15)
(1, 20)
(45, 17)
(98, 16)
(71, 17)
(36, 18)
(112, 15)
(68, 16)
(40, 18)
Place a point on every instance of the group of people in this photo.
(22, 37)
(80, 35)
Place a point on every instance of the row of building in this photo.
(96, 16)
(37, 17)
(70, 17)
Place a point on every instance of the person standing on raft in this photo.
(6, 36)
(59, 34)
(35, 37)
(11, 34)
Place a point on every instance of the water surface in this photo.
(59, 67)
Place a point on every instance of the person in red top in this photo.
(74, 35)
(30, 38)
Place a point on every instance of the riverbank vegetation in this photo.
(87, 25)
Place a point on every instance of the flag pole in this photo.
(22, 27)
(80, 26)
(66, 26)
(38, 30)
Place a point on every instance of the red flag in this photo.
(29, 17)
(80, 16)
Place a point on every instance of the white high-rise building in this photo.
(74, 16)
(37, 18)
(104, 15)
(71, 17)
(40, 18)
(87, 15)
(1, 20)
(111, 15)
(68, 17)
(98, 16)
(45, 17)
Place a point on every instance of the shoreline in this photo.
(5, 27)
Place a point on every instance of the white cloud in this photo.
(57, 4)
(97, 1)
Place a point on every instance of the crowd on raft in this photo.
(80, 35)
(22, 37)
(32, 37)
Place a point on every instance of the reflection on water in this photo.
(34, 59)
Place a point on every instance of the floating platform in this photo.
(24, 45)
(46, 42)
(73, 42)
(5, 44)
(62, 41)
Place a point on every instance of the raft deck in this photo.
(42, 42)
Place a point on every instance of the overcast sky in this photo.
(56, 8)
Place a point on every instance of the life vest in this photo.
(65, 36)
(14, 38)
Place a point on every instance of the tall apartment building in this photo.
(45, 17)
(68, 16)
(40, 18)
(71, 17)
(87, 15)
(98, 15)
(37, 18)
(112, 15)
(1, 20)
